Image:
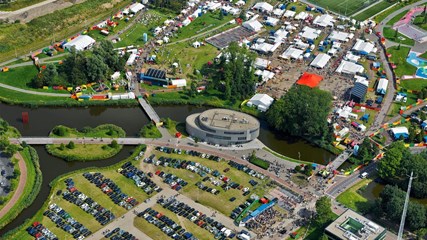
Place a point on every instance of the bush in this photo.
(71, 145)
(114, 144)
(259, 162)
(60, 131)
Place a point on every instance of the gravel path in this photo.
(19, 189)
(34, 92)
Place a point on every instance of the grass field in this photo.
(398, 57)
(419, 22)
(396, 18)
(155, 233)
(83, 152)
(219, 202)
(101, 131)
(21, 77)
(372, 10)
(414, 84)
(150, 131)
(353, 200)
(344, 7)
(424, 55)
(52, 27)
(390, 34)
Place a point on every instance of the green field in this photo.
(372, 10)
(352, 199)
(413, 84)
(101, 131)
(419, 22)
(390, 34)
(22, 38)
(83, 152)
(344, 7)
(398, 57)
(15, 5)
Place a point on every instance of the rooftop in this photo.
(225, 119)
(351, 225)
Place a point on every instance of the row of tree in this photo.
(367, 151)
(82, 67)
(398, 162)
(303, 111)
(173, 5)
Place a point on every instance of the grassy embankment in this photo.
(390, 34)
(15, 5)
(373, 10)
(149, 130)
(52, 27)
(82, 151)
(218, 202)
(398, 57)
(352, 199)
(32, 186)
(173, 127)
(127, 186)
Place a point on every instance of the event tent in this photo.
(261, 101)
(324, 20)
(293, 53)
(358, 92)
(80, 43)
(382, 86)
(309, 79)
(349, 68)
(263, 6)
(399, 131)
(320, 61)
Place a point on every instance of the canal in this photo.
(42, 120)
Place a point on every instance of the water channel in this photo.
(42, 120)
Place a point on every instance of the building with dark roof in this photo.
(154, 77)
(358, 92)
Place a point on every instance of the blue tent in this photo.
(363, 53)
(425, 139)
(356, 150)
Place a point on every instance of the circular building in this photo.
(222, 126)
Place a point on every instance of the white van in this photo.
(364, 175)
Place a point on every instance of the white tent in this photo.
(131, 59)
(351, 57)
(301, 16)
(292, 53)
(320, 61)
(309, 33)
(261, 101)
(136, 7)
(115, 76)
(332, 52)
(278, 12)
(289, 14)
(349, 68)
(80, 43)
(253, 25)
(272, 21)
(263, 6)
(179, 82)
(339, 36)
(363, 46)
(324, 20)
(265, 47)
(382, 86)
(196, 44)
(261, 63)
(265, 74)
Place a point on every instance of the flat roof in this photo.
(225, 119)
(351, 225)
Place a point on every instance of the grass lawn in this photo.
(21, 77)
(413, 84)
(313, 233)
(398, 57)
(412, 98)
(201, 24)
(83, 152)
(424, 55)
(419, 22)
(15, 5)
(155, 233)
(396, 18)
(173, 127)
(299, 7)
(53, 27)
(300, 179)
(127, 186)
(221, 201)
(188, 57)
(351, 198)
(345, 7)
(389, 33)
(133, 36)
(373, 10)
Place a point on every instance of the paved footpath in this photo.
(34, 92)
(21, 185)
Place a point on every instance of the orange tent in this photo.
(309, 79)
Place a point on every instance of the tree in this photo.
(324, 237)
(423, 116)
(308, 170)
(60, 131)
(71, 145)
(114, 144)
(242, 15)
(221, 15)
(297, 168)
(389, 166)
(324, 213)
(4, 142)
(412, 134)
(61, 147)
(396, 32)
(416, 216)
(301, 112)
(11, 149)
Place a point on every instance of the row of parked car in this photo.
(141, 179)
(112, 190)
(173, 181)
(200, 219)
(239, 209)
(41, 232)
(247, 170)
(119, 234)
(166, 225)
(63, 220)
(189, 152)
(87, 204)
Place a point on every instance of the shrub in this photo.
(60, 131)
(114, 144)
(71, 145)
(259, 162)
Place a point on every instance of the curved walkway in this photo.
(21, 185)
(34, 92)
